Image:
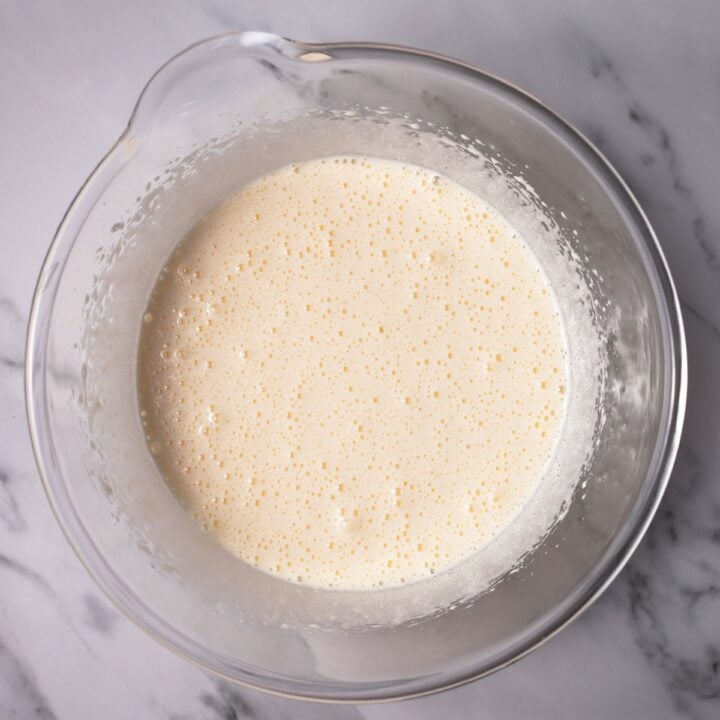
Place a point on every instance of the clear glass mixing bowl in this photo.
(223, 112)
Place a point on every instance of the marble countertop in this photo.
(640, 78)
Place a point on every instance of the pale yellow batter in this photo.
(352, 372)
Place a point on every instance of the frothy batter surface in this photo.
(352, 373)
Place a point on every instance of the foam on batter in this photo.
(352, 373)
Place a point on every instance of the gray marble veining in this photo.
(639, 78)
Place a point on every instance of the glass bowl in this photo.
(213, 118)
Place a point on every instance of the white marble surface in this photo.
(640, 78)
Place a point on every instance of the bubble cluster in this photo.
(352, 373)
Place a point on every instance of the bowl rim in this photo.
(93, 560)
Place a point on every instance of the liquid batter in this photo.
(352, 372)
